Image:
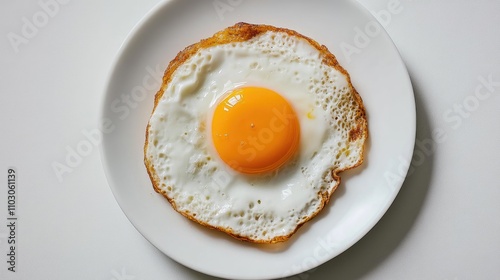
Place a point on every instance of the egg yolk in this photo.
(255, 130)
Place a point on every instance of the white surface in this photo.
(443, 224)
(379, 75)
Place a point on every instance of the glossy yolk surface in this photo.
(255, 130)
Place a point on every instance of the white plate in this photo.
(377, 72)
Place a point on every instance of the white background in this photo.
(443, 225)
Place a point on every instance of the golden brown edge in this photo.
(243, 32)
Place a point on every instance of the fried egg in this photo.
(250, 130)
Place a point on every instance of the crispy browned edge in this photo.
(243, 32)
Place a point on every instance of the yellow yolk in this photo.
(255, 130)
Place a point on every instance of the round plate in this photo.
(378, 73)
